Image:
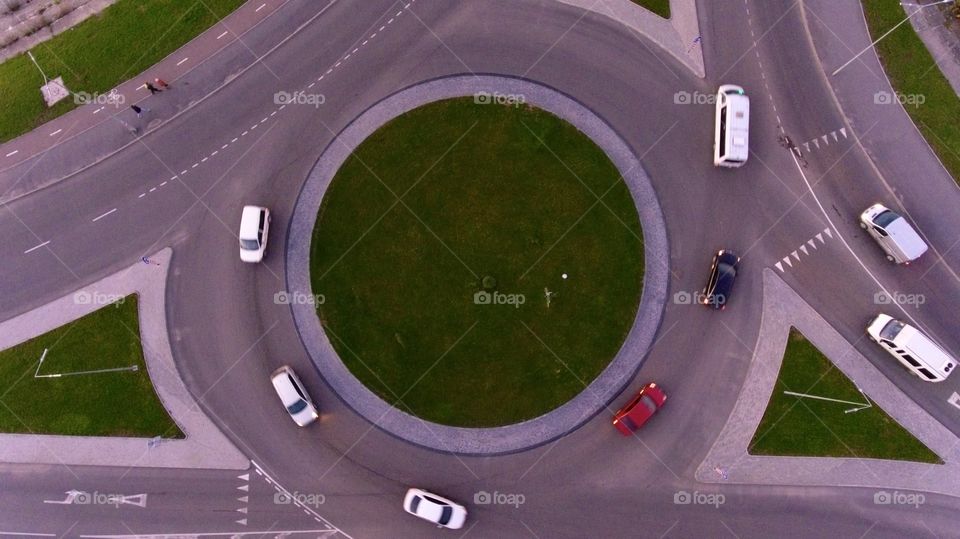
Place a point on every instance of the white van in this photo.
(894, 234)
(915, 350)
(254, 227)
(731, 139)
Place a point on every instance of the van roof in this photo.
(925, 350)
(250, 222)
(738, 125)
(906, 238)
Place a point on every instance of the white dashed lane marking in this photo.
(182, 61)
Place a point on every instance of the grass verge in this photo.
(98, 54)
(797, 426)
(121, 403)
(485, 193)
(660, 7)
(913, 72)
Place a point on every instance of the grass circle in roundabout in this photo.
(480, 263)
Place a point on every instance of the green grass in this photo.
(797, 426)
(660, 7)
(913, 72)
(399, 303)
(104, 404)
(98, 54)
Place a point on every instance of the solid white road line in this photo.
(32, 249)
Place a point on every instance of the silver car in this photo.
(293, 396)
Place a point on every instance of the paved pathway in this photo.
(204, 447)
(931, 24)
(679, 35)
(728, 460)
(530, 433)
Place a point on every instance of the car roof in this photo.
(907, 238)
(250, 221)
(283, 385)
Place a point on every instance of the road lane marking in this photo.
(55, 132)
(104, 215)
(182, 61)
(32, 249)
(223, 34)
(14, 152)
(259, 8)
(954, 399)
(142, 195)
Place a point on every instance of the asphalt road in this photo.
(228, 335)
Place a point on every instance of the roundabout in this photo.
(527, 332)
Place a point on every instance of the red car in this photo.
(632, 416)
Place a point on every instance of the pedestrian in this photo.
(162, 84)
(153, 89)
(139, 110)
(149, 262)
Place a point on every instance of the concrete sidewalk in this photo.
(204, 446)
(931, 24)
(783, 308)
(679, 35)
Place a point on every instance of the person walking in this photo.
(139, 110)
(153, 89)
(162, 84)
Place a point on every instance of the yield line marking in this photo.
(104, 215)
(32, 249)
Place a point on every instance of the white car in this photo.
(293, 396)
(437, 509)
(894, 234)
(254, 227)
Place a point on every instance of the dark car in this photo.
(641, 408)
(723, 271)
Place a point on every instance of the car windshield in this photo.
(297, 407)
(885, 218)
(445, 515)
(249, 245)
(891, 330)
